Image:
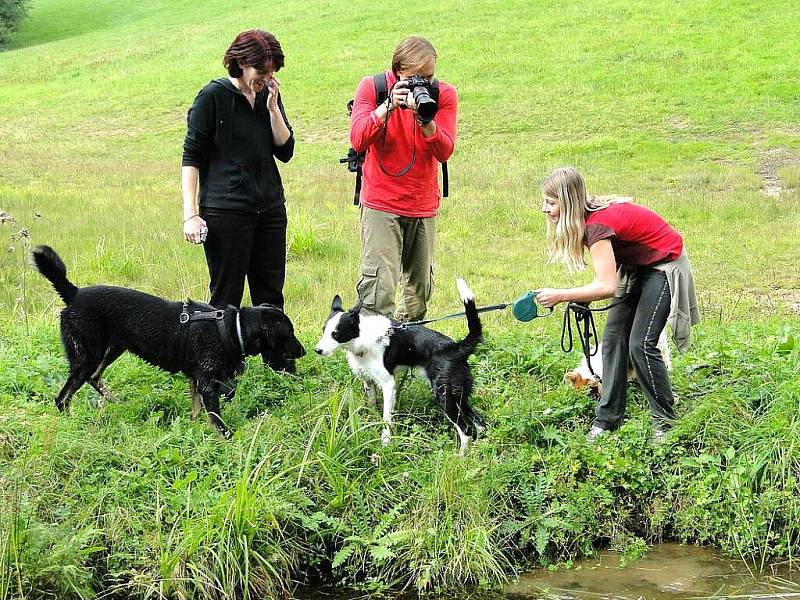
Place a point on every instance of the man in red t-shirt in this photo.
(400, 191)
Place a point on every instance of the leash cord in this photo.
(584, 319)
(482, 309)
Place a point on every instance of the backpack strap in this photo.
(381, 93)
(445, 179)
(381, 88)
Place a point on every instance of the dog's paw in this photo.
(221, 429)
(463, 447)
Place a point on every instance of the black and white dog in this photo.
(101, 322)
(379, 348)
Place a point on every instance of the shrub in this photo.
(11, 14)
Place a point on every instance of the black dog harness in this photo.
(218, 316)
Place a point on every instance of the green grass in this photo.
(684, 105)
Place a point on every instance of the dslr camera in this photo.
(426, 106)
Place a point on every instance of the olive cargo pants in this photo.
(396, 250)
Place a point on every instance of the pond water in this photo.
(667, 572)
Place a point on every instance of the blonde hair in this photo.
(412, 53)
(565, 238)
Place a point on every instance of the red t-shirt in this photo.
(639, 236)
(415, 194)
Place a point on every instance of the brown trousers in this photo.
(396, 250)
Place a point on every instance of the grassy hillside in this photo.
(679, 104)
(691, 107)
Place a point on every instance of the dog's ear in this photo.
(336, 305)
(575, 380)
(357, 308)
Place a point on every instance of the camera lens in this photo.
(426, 106)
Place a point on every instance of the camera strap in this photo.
(381, 93)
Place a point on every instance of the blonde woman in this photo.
(648, 253)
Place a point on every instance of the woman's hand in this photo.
(272, 97)
(192, 229)
(549, 297)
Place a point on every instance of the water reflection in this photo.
(668, 571)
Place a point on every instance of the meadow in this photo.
(691, 107)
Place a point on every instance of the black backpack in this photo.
(355, 160)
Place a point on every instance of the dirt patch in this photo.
(789, 130)
(769, 161)
(679, 122)
(778, 301)
(325, 133)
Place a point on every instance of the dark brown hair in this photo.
(253, 48)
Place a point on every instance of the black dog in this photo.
(101, 322)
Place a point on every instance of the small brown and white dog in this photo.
(581, 377)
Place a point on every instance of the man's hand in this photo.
(400, 95)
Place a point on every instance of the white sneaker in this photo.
(594, 433)
(659, 434)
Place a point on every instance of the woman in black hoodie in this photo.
(237, 126)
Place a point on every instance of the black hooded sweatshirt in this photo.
(231, 145)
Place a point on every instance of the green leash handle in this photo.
(525, 308)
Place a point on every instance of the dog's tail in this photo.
(475, 336)
(53, 268)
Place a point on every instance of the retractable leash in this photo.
(524, 309)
